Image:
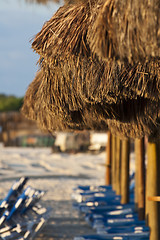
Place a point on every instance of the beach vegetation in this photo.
(10, 103)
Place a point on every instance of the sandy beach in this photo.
(57, 174)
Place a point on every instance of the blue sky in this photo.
(19, 22)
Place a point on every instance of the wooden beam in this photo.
(125, 171)
(113, 167)
(140, 177)
(136, 174)
(108, 159)
(118, 165)
(153, 189)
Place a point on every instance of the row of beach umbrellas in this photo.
(99, 69)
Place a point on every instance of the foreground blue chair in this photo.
(21, 215)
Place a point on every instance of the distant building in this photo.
(16, 130)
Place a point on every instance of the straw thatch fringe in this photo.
(126, 29)
(76, 90)
(54, 102)
(137, 29)
(70, 97)
(34, 107)
(100, 30)
(64, 33)
(143, 119)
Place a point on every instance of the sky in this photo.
(19, 23)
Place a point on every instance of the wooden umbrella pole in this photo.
(125, 171)
(136, 174)
(108, 160)
(113, 167)
(153, 189)
(118, 165)
(140, 177)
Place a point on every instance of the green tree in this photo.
(10, 103)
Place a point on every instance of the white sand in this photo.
(58, 174)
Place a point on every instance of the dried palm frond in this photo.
(74, 89)
(129, 30)
(143, 119)
(100, 30)
(94, 95)
(64, 33)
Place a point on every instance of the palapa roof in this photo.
(127, 30)
(83, 84)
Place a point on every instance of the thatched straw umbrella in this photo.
(99, 67)
(75, 89)
(128, 30)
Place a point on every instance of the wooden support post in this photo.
(153, 189)
(108, 160)
(118, 166)
(136, 174)
(113, 169)
(140, 177)
(125, 171)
